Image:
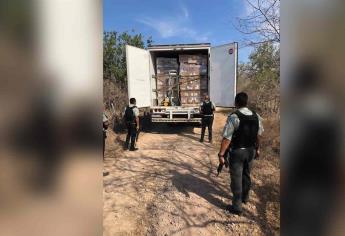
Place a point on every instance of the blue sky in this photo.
(178, 21)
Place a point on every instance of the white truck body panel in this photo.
(138, 75)
(180, 47)
(223, 74)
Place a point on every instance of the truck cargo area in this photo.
(185, 86)
(170, 81)
(177, 96)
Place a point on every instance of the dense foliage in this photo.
(114, 52)
(115, 95)
(260, 77)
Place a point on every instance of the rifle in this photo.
(138, 132)
(226, 163)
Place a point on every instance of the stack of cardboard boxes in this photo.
(193, 65)
(164, 65)
(193, 78)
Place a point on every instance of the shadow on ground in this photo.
(173, 171)
(169, 128)
(186, 183)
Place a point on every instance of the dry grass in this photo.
(265, 99)
(115, 98)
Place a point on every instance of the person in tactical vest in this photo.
(240, 145)
(131, 117)
(207, 108)
(105, 127)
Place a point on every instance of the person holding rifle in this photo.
(241, 143)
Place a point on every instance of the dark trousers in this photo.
(240, 161)
(131, 134)
(104, 137)
(207, 121)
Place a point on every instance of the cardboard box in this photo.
(166, 64)
(204, 83)
(193, 59)
(193, 70)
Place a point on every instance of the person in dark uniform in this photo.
(241, 143)
(207, 108)
(105, 127)
(131, 116)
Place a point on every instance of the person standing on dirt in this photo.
(241, 143)
(105, 127)
(207, 108)
(131, 117)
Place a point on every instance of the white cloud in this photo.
(175, 25)
(185, 11)
(165, 28)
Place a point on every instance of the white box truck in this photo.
(142, 79)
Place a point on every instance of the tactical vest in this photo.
(246, 134)
(129, 114)
(207, 108)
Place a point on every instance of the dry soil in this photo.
(169, 186)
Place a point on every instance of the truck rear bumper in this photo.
(176, 120)
(175, 114)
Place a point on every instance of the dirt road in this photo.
(169, 187)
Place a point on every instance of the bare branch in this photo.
(269, 22)
(262, 23)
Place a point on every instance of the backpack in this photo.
(129, 116)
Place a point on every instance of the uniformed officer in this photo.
(241, 141)
(131, 116)
(207, 108)
(105, 127)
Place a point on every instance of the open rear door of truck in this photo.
(138, 75)
(223, 74)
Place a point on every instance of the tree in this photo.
(115, 72)
(260, 78)
(262, 24)
(264, 62)
(114, 53)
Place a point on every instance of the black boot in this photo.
(236, 207)
(133, 148)
(245, 199)
(234, 210)
(125, 146)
